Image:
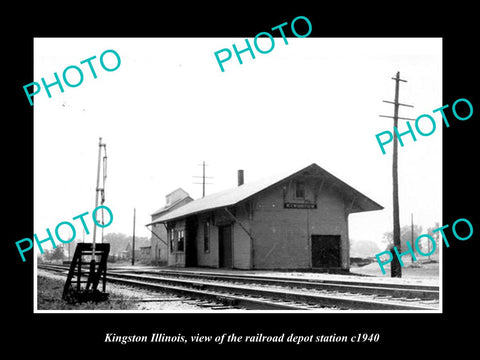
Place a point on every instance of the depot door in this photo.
(225, 246)
(326, 251)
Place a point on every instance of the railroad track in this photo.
(415, 291)
(270, 293)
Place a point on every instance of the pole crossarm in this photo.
(394, 103)
(398, 78)
(203, 177)
(398, 117)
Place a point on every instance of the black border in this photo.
(64, 333)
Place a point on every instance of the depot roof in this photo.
(241, 193)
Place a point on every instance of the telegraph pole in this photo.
(133, 239)
(203, 179)
(411, 238)
(396, 269)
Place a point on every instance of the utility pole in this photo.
(411, 239)
(133, 239)
(396, 269)
(203, 179)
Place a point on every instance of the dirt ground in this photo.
(421, 270)
(121, 298)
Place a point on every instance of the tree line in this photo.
(119, 242)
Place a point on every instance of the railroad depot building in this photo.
(296, 220)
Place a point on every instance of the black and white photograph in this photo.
(190, 201)
(281, 185)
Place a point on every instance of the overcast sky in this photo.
(168, 107)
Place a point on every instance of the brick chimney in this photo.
(240, 177)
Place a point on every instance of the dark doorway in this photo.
(326, 251)
(225, 246)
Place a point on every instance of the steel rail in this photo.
(204, 294)
(224, 299)
(425, 292)
(276, 294)
(219, 290)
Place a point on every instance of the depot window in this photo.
(181, 241)
(300, 190)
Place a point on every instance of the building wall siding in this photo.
(283, 236)
(158, 254)
(241, 240)
(209, 258)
